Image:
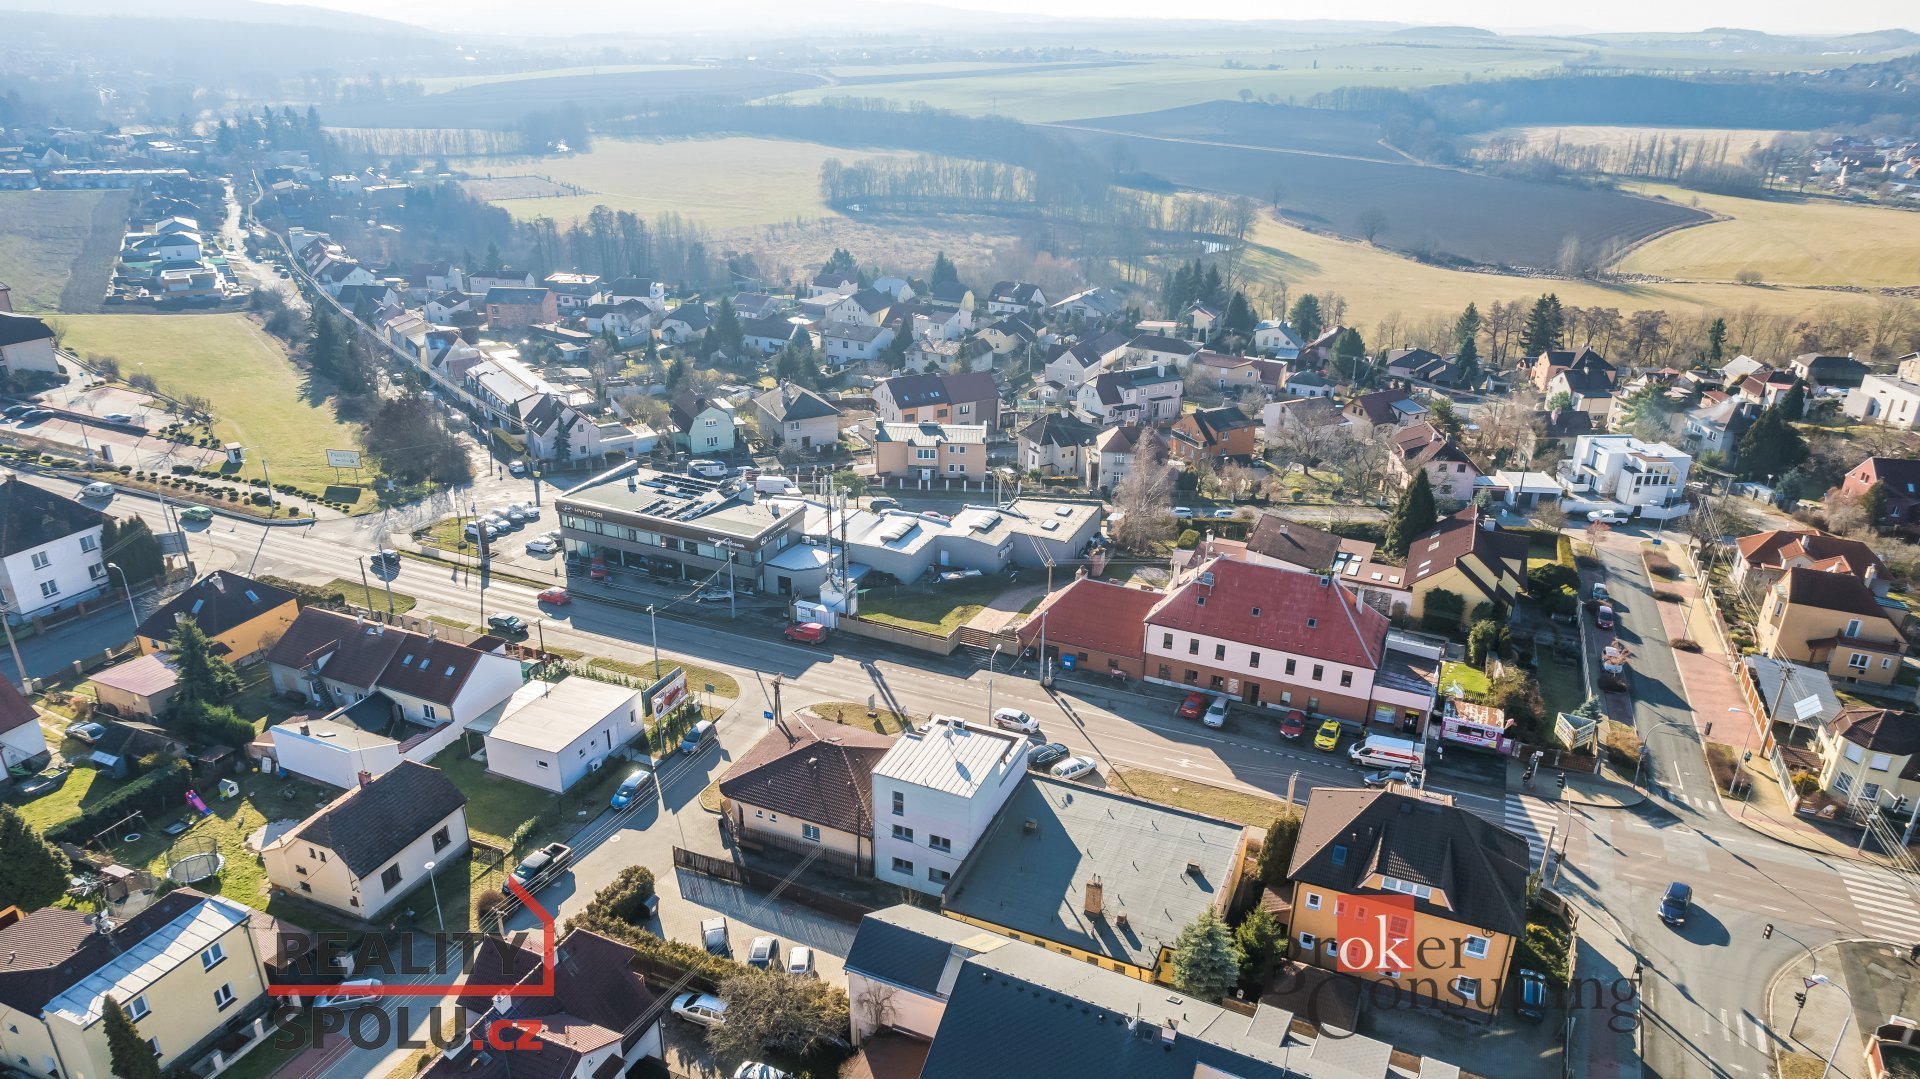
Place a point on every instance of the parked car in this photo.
(639, 781)
(1328, 736)
(97, 489)
(1184, 513)
(1385, 777)
(763, 953)
(707, 470)
(557, 597)
(713, 595)
(1222, 513)
(119, 417)
(517, 467)
(1293, 724)
(1532, 1002)
(543, 865)
(384, 558)
(881, 504)
(351, 991)
(1013, 719)
(511, 624)
(713, 936)
(753, 1069)
(531, 513)
(542, 545)
(1072, 768)
(16, 410)
(1606, 517)
(196, 513)
(1195, 704)
(1216, 716)
(1046, 756)
(1603, 617)
(701, 1009)
(1675, 904)
(807, 633)
(86, 732)
(516, 515)
(800, 962)
(1600, 593)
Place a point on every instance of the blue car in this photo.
(638, 782)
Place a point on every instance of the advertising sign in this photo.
(343, 458)
(669, 693)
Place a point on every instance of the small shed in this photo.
(140, 688)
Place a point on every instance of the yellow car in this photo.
(1328, 736)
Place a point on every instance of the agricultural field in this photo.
(56, 242)
(259, 398)
(1276, 127)
(722, 184)
(500, 102)
(1787, 241)
(1736, 141)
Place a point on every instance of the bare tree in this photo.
(1372, 222)
(1144, 500)
(1505, 431)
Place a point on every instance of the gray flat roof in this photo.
(687, 501)
(954, 760)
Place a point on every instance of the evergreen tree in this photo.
(203, 676)
(727, 334)
(1794, 405)
(944, 271)
(1771, 447)
(1546, 327)
(1717, 341)
(1466, 343)
(33, 872)
(1873, 503)
(131, 1056)
(1414, 516)
(1206, 961)
(130, 544)
(1239, 319)
(1213, 290)
(841, 261)
(1276, 851)
(1260, 937)
(1350, 357)
(1305, 318)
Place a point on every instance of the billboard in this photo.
(669, 693)
(343, 458)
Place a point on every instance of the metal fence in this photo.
(758, 880)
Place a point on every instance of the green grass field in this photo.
(42, 237)
(257, 394)
(1790, 242)
(720, 183)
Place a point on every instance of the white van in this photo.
(1383, 751)
(98, 489)
(707, 470)
(774, 485)
(351, 991)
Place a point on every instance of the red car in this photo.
(1293, 724)
(556, 596)
(1603, 617)
(1194, 706)
(597, 569)
(807, 633)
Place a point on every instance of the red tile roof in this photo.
(1302, 613)
(1824, 552)
(1097, 615)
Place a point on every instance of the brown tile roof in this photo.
(439, 668)
(1832, 592)
(218, 602)
(45, 953)
(1882, 730)
(1348, 835)
(1097, 615)
(356, 651)
(1301, 545)
(1422, 442)
(15, 711)
(1458, 536)
(824, 777)
(368, 825)
(1282, 609)
(1827, 552)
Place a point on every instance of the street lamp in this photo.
(653, 624)
(131, 609)
(439, 918)
(1821, 979)
(990, 659)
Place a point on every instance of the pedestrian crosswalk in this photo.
(1529, 818)
(1884, 906)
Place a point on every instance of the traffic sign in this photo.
(767, 715)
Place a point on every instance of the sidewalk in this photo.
(1602, 791)
(1869, 982)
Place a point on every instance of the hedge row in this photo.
(160, 791)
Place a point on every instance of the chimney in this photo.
(219, 584)
(306, 728)
(366, 778)
(1193, 869)
(1031, 826)
(1871, 575)
(1094, 904)
(1168, 1032)
(1120, 919)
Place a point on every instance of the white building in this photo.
(555, 734)
(333, 751)
(49, 550)
(1275, 338)
(21, 738)
(1883, 399)
(1622, 472)
(935, 793)
(26, 344)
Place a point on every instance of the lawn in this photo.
(1562, 685)
(887, 721)
(937, 609)
(43, 236)
(83, 787)
(1472, 681)
(721, 183)
(497, 807)
(697, 676)
(1240, 807)
(371, 594)
(1811, 242)
(259, 398)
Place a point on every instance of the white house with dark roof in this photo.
(50, 555)
(849, 342)
(1073, 365)
(1150, 349)
(1137, 395)
(26, 344)
(372, 845)
(797, 418)
(1014, 298)
(21, 739)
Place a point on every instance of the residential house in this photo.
(1103, 878)
(1470, 556)
(1764, 556)
(701, 425)
(1766, 388)
(1092, 626)
(1871, 756)
(573, 293)
(1786, 701)
(1056, 444)
(433, 277)
(1116, 450)
(366, 849)
(866, 307)
(1899, 477)
(755, 305)
(1588, 381)
(1593, 368)
(1071, 366)
(1009, 335)
(1626, 473)
(1277, 417)
(1385, 408)
(630, 322)
(1734, 371)
(1202, 317)
(834, 283)
(241, 617)
(1015, 298)
(22, 743)
(169, 247)
(510, 309)
(1228, 374)
(951, 294)
(808, 793)
(1310, 384)
(374, 296)
(138, 688)
(1886, 400)
(774, 333)
(638, 290)
(901, 968)
(1716, 427)
(49, 550)
(1212, 434)
(843, 343)
(1829, 372)
(796, 418)
(188, 971)
(938, 323)
(1094, 305)
(972, 397)
(591, 1017)
(555, 734)
(1151, 349)
(1401, 859)
(335, 274)
(1423, 447)
(562, 433)
(685, 324)
(1139, 395)
(930, 451)
(26, 344)
(1272, 337)
(1832, 619)
(1418, 365)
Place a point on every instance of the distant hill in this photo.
(224, 11)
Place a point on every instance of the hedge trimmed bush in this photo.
(157, 792)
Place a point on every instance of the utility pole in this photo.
(653, 622)
(264, 475)
(6, 619)
(365, 588)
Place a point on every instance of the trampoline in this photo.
(194, 859)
